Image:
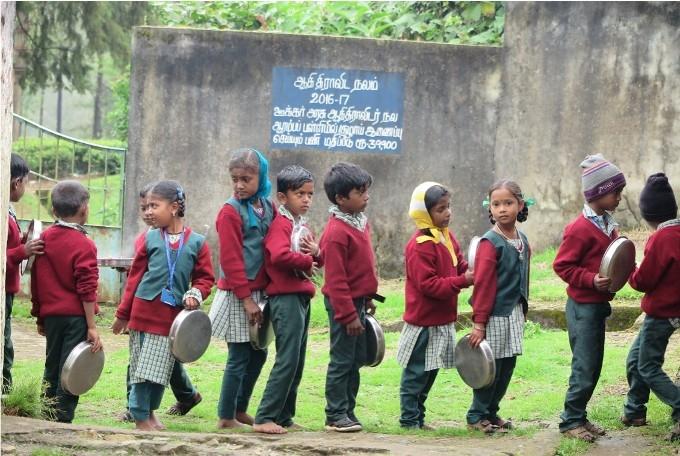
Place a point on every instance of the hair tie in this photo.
(180, 193)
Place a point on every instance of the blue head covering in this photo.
(264, 188)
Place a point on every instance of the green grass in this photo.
(25, 399)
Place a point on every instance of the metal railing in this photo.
(53, 157)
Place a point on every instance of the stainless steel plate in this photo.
(618, 262)
(190, 335)
(82, 369)
(34, 231)
(263, 334)
(299, 233)
(117, 263)
(472, 252)
(375, 342)
(476, 366)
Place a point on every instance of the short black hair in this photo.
(434, 194)
(292, 177)
(145, 190)
(344, 177)
(18, 167)
(68, 197)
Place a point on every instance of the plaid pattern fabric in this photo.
(675, 322)
(441, 345)
(604, 222)
(229, 319)
(150, 358)
(505, 334)
(673, 222)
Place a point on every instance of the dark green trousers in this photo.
(290, 319)
(244, 364)
(347, 355)
(8, 359)
(486, 401)
(63, 334)
(416, 383)
(585, 325)
(645, 373)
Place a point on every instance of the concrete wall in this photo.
(581, 78)
(196, 95)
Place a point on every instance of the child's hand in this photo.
(308, 246)
(190, 304)
(601, 283)
(477, 336)
(93, 338)
(41, 329)
(354, 328)
(370, 307)
(469, 277)
(119, 326)
(34, 247)
(252, 310)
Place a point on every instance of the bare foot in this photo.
(155, 422)
(145, 425)
(228, 424)
(244, 418)
(269, 428)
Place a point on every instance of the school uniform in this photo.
(500, 302)
(15, 255)
(350, 281)
(289, 294)
(241, 233)
(657, 276)
(428, 338)
(62, 279)
(149, 318)
(577, 263)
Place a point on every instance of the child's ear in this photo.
(281, 197)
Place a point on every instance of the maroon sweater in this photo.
(349, 267)
(15, 255)
(578, 260)
(66, 275)
(659, 274)
(280, 263)
(432, 282)
(155, 317)
(229, 230)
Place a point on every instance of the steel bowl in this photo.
(375, 342)
(82, 369)
(33, 233)
(190, 335)
(472, 252)
(261, 335)
(476, 366)
(618, 262)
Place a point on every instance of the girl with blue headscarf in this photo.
(241, 225)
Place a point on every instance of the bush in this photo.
(26, 399)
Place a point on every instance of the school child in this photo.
(500, 300)
(185, 393)
(241, 224)
(350, 281)
(18, 249)
(171, 270)
(577, 263)
(657, 277)
(435, 273)
(64, 290)
(290, 291)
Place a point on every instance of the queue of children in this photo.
(172, 270)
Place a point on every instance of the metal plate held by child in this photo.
(190, 335)
(472, 252)
(476, 366)
(618, 262)
(82, 369)
(299, 233)
(375, 342)
(263, 334)
(33, 234)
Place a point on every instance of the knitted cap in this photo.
(600, 177)
(657, 202)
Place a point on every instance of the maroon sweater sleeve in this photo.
(86, 272)
(140, 264)
(203, 276)
(229, 229)
(336, 283)
(277, 243)
(654, 264)
(459, 280)
(422, 267)
(484, 292)
(568, 260)
(16, 253)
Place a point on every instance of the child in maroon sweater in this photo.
(577, 263)
(171, 270)
(290, 291)
(658, 276)
(435, 274)
(64, 290)
(18, 249)
(350, 281)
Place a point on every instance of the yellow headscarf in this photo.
(418, 212)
